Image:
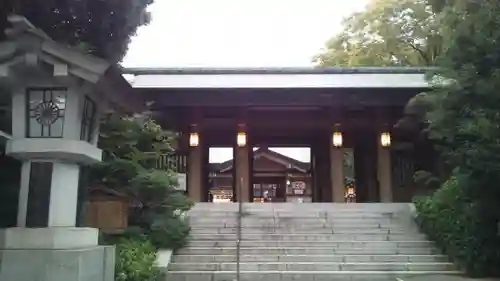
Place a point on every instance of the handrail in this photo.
(238, 230)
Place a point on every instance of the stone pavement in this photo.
(445, 278)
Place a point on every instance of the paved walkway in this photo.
(444, 278)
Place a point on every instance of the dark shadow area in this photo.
(10, 178)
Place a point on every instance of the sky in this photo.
(238, 33)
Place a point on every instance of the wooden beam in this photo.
(357, 98)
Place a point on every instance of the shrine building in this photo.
(332, 111)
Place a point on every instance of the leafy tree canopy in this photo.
(100, 27)
(463, 117)
(386, 33)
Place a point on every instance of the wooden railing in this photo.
(175, 162)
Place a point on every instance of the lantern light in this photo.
(194, 139)
(241, 139)
(337, 139)
(385, 139)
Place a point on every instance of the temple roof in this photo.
(275, 70)
(264, 152)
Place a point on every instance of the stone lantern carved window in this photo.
(88, 120)
(46, 110)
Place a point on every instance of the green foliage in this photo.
(462, 121)
(386, 33)
(130, 145)
(102, 28)
(135, 260)
(425, 179)
(453, 219)
(171, 233)
(464, 116)
(131, 148)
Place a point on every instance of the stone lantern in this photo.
(58, 95)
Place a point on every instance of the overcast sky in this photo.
(238, 33)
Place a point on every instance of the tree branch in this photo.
(422, 53)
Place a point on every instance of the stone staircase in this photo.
(310, 241)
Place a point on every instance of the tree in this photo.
(462, 120)
(386, 33)
(131, 148)
(465, 115)
(99, 27)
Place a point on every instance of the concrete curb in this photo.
(163, 258)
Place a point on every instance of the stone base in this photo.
(48, 238)
(91, 264)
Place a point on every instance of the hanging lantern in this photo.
(337, 139)
(241, 139)
(194, 139)
(385, 139)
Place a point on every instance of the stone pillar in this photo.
(194, 173)
(48, 194)
(22, 207)
(337, 174)
(384, 173)
(242, 172)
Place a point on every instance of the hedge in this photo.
(461, 227)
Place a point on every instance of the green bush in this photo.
(135, 260)
(172, 233)
(459, 226)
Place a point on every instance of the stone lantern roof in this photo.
(28, 48)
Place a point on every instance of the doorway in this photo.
(349, 176)
(269, 189)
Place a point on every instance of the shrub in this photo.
(172, 233)
(458, 225)
(135, 260)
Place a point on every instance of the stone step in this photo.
(298, 211)
(294, 225)
(311, 237)
(309, 250)
(336, 230)
(297, 217)
(292, 218)
(298, 275)
(201, 218)
(306, 242)
(313, 266)
(311, 258)
(308, 209)
(295, 206)
(325, 244)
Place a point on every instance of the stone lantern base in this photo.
(58, 265)
(54, 254)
